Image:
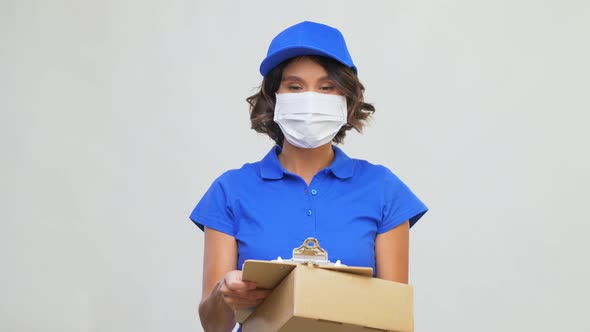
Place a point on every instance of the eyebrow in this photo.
(297, 78)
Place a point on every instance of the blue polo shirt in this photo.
(271, 211)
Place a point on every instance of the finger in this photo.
(239, 293)
(253, 294)
(243, 295)
(239, 303)
(234, 282)
(257, 294)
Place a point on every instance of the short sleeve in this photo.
(399, 204)
(214, 209)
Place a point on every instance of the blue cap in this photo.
(306, 38)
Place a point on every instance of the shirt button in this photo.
(309, 212)
(313, 191)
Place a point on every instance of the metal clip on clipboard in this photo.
(310, 252)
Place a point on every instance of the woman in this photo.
(304, 187)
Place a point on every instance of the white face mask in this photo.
(310, 119)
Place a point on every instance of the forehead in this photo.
(304, 67)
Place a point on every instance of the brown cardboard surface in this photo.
(266, 275)
(276, 310)
(311, 298)
(299, 324)
(355, 300)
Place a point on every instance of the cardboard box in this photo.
(326, 298)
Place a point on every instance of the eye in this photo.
(327, 88)
(291, 86)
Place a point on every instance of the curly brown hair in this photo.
(262, 104)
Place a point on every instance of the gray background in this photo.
(117, 115)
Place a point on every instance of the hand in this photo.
(239, 294)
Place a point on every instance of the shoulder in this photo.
(253, 172)
(364, 168)
(379, 178)
(248, 172)
(346, 167)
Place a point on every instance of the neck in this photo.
(306, 162)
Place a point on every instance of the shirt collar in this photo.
(270, 168)
(342, 167)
